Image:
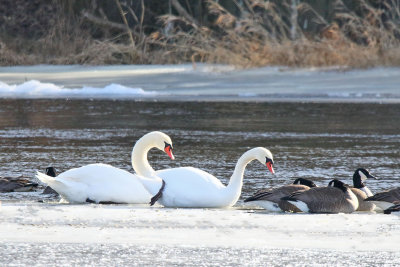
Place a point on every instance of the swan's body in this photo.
(336, 199)
(105, 183)
(191, 187)
(271, 198)
(98, 183)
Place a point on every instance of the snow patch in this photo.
(37, 89)
(208, 228)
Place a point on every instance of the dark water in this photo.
(312, 140)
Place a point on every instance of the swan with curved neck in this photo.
(105, 183)
(192, 187)
(142, 147)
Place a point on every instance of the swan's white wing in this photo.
(70, 190)
(101, 182)
(190, 187)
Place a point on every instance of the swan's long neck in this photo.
(234, 188)
(139, 158)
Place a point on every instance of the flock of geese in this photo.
(190, 187)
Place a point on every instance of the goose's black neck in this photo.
(51, 171)
(339, 184)
(304, 181)
(357, 180)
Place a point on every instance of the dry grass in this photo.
(261, 38)
(262, 35)
(8, 57)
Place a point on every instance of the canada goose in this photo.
(394, 208)
(330, 199)
(385, 199)
(270, 199)
(18, 184)
(361, 190)
(50, 171)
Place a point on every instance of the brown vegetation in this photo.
(359, 33)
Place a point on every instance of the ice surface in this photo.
(201, 82)
(88, 234)
(73, 254)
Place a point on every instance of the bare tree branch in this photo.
(103, 22)
(142, 18)
(132, 13)
(183, 12)
(126, 24)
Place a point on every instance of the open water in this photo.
(319, 141)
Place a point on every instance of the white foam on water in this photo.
(37, 89)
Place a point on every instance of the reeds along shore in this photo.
(247, 33)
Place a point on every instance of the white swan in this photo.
(191, 187)
(105, 183)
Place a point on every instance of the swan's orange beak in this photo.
(168, 150)
(270, 168)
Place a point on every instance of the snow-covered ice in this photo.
(36, 89)
(102, 229)
(201, 82)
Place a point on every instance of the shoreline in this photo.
(204, 83)
(228, 99)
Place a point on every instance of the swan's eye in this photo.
(168, 150)
(167, 146)
(269, 164)
(268, 160)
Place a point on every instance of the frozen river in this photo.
(201, 82)
(65, 235)
(319, 124)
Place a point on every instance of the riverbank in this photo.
(245, 34)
